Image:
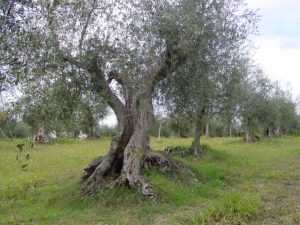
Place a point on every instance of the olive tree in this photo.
(123, 49)
(61, 107)
(281, 116)
(209, 73)
(253, 100)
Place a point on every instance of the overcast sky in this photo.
(278, 44)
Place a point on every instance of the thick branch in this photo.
(83, 32)
(114, 75)
(170, 60)
(101, 86)
(98, 80)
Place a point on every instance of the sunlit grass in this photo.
(238, 184)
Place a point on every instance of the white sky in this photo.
(278, 44)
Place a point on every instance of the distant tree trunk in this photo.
(92, 131)
(284, 131)
(76, 134)
(277, 131)
(207, 134)
(41, 137)
(230, 130)
(159, 130)
(248, 136)
(270, 132)
(58, 133)
(91, 124)
(198, 131)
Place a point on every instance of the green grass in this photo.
(238, 184)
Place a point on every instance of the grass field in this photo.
(238, 184)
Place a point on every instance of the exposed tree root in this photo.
(165, 163)
(95, 174)
(101, 172)
(89, 170)
(136, 182)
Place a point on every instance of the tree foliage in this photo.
(121, 50)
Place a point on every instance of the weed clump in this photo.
(234, 208)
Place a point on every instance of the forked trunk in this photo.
(110, 166)
(130, 152)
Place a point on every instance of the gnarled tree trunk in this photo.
(41, 137)
(129, 153)
(130, 150)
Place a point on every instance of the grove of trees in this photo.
(71, 60)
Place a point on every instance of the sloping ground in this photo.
(238, 184)
(282, 196)
(262, 185)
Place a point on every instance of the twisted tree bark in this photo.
(130, 151)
